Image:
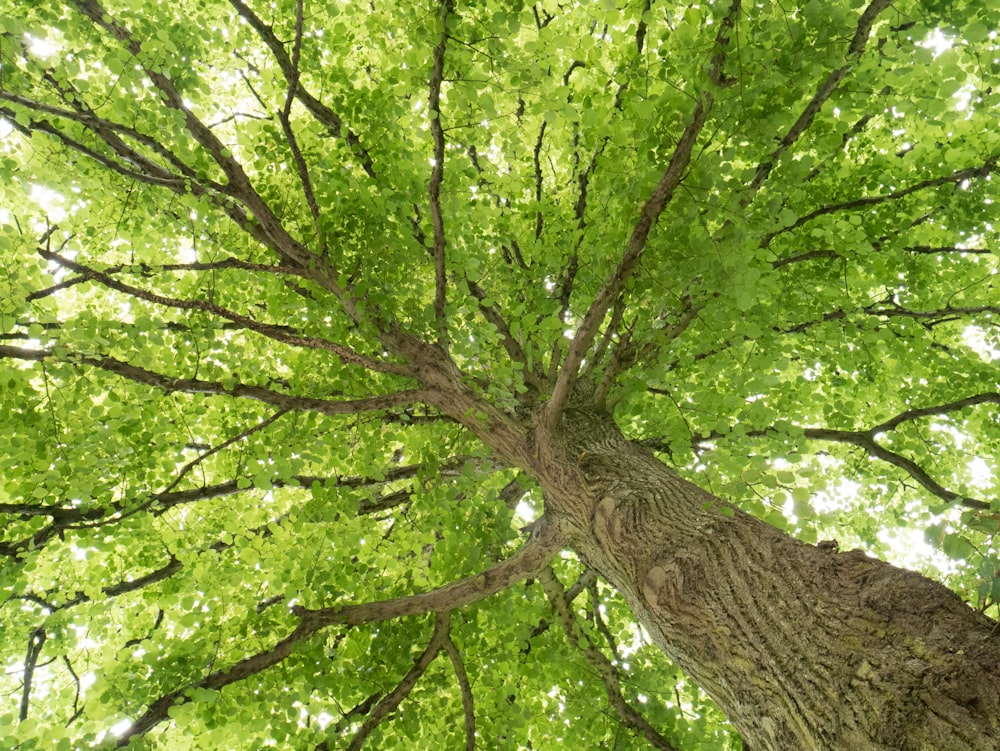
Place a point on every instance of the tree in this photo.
(517, 376)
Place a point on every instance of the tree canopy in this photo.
(287, 286)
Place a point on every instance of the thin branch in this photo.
(536, 156)
(826, 89)
(627, 714)
(145, 269)
(494, 316)
(868, 440)
(243, 434)
(239, 185)
(159, 710)
(170, 384)
(323, 114)
(989, 166)
(77, 709)
(914, 470)
(437, 177)
(278, 333)
(614, 285)
(109, 132)
(528, 561)
(391, 701)
(286, 125)
(468, 706)
(35, 643)
(989, 397)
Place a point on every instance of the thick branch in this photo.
(528, 561)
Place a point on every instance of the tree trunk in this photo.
(803, 647)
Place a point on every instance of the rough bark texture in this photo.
(803, 647)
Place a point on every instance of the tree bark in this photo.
(803, 647)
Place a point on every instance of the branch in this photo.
(108, 131)
(468, 707)
(278, 333)
(650, 212)
(159, 710)
(826, 89)
(989, 166)
(228, 442)
(614, 285)
(391, 701)
(286, 125)
(146, 269)
(511, 345)
(628, 716)
(867, 439)
(536, 156)
(239, 185)
(287, 402)
(437, 177)
(909, 466)
(528, 561)
(323, 114)
(35, 643)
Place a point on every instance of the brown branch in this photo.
(169, 384)
(286, 125)
(262, 425)
(36, 640)
(391, 701)
(239, 185)
(162, 178)
(649, 214)
(614, 285)
(494, 316)
(989, 166)
(867, 440)
(988, 397)
(627, 714)
(826, 89)
(278, 333)
(437, 177)
(468, 706)
(323, 114)
(110, 133)
(536, 156)
(207, 189)
(159, 710)
(528, 561)
(883, 310)
(145, 269)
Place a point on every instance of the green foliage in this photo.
(811, 332)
